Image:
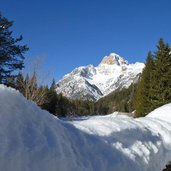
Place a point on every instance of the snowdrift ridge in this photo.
(32, 139)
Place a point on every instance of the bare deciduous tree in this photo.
(31, 90)
(32, 86)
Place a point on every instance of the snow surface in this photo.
(159, 112)
(33, 140)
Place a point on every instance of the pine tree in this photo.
(10, 82)
(11, 53)
(52, 98)
(154, 88)
(162, 75)
(20, 83)
(144, 95)
(53, 86)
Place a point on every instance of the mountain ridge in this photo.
(92, 83)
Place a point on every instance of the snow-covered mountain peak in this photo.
(114, 59)
(92, 83)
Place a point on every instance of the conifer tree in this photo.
(53, 86)
(154, 88)
(11, 53)
(143, 102)
(162, 75)
(52, 98)
(20, 83)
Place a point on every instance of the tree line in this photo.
(47, 98)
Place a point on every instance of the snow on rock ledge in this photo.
(31, 140)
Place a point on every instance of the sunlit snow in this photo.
(33, 140)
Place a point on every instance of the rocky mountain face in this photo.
(92, 83)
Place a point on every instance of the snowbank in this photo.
(163, 113)
(33, 140)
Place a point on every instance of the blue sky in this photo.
(74, 33)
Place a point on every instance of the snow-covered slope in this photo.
(32, 139)
(159, 113)
(89, 82)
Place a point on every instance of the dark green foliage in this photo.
(162, 75)
(10, 81)
(56, 103)
(63, 106)
(20, 82)
(144, 91)
(154, 89)
(11, 53)
(82, 107)
(51, 102)
(122, 101)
